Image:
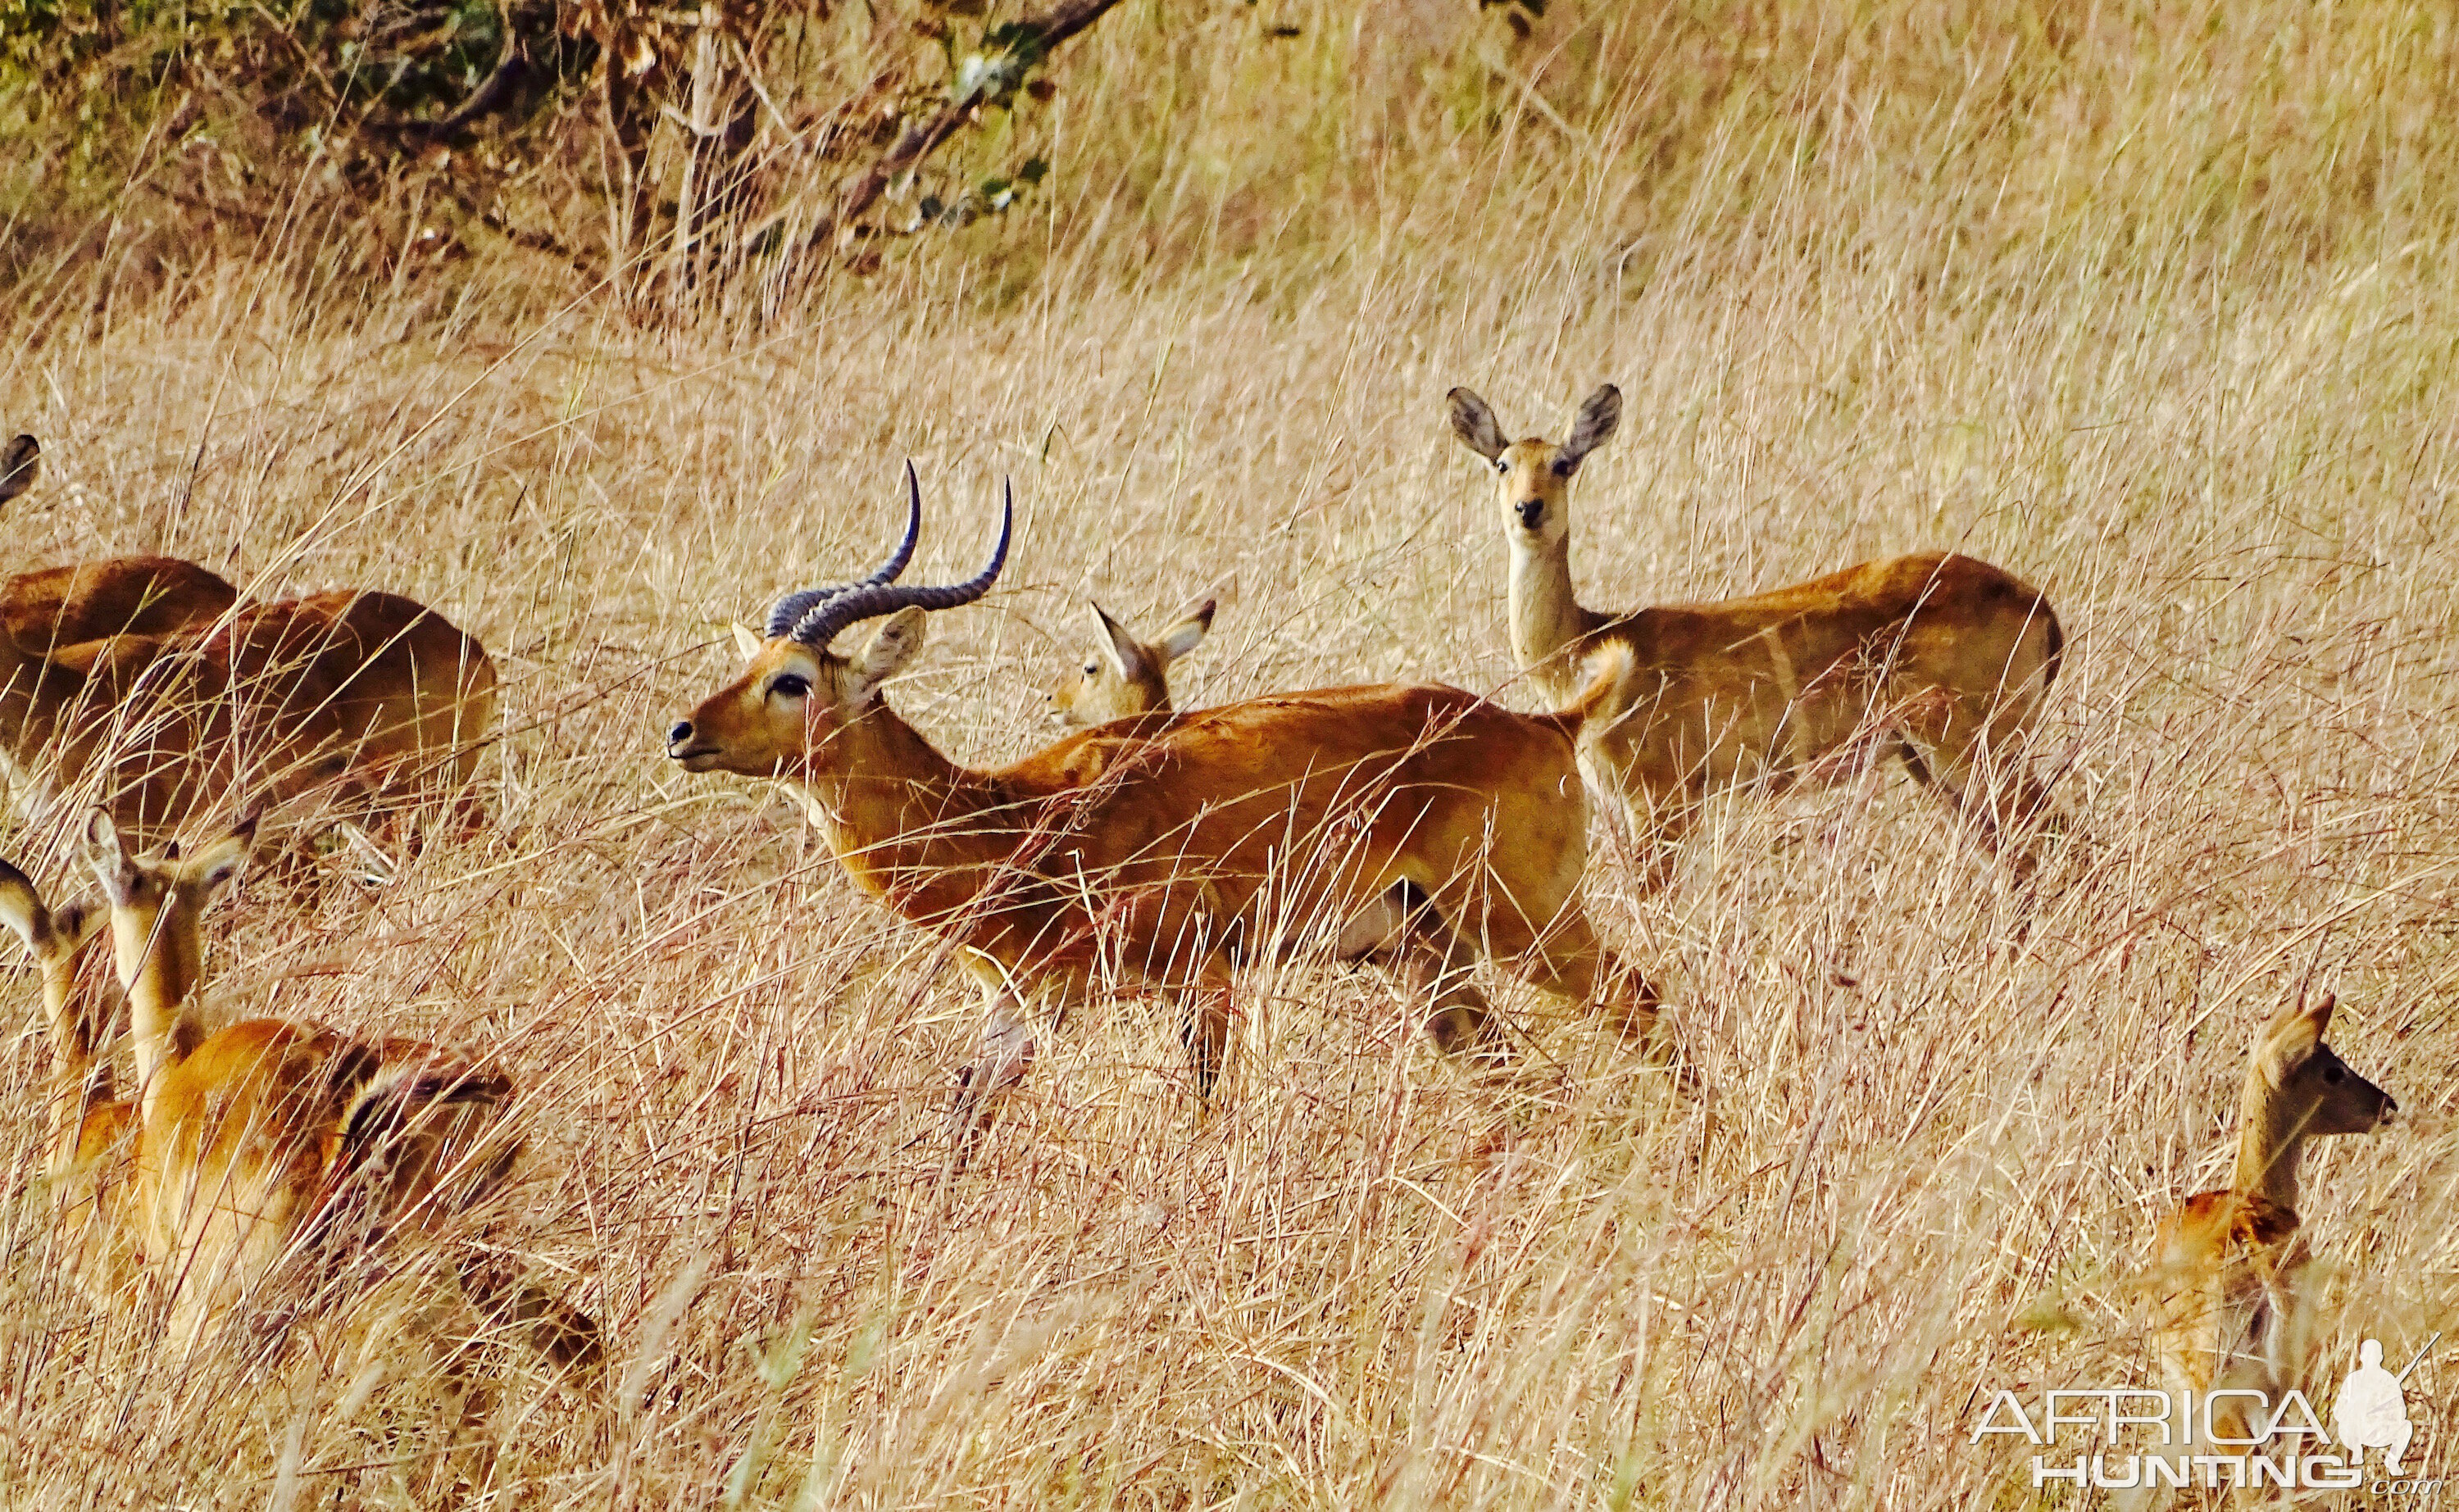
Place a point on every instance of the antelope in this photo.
(369, 692)
(1126, 677)
(146, 675)
(88, 1130)
(2231, 1311)
(271, 1140)
(1170, 855)
(1937, 659)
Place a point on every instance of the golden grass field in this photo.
(2170, 333)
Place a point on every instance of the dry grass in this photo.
(2221, 435)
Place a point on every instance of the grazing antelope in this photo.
(371, 693)
(61, 606)
(1170, 854)
(1126, 677)
(88, 1130)
(1937, 659)
(2230, 1312)
(272, 1141)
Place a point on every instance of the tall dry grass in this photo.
(2167, 328)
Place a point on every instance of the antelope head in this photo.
(56, 937)
(2297, 1088)
(157, 904)
(798, 692)
(1126, 677)
(1533, 477)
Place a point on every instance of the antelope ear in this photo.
(889, 647)
(2291, 1035)
(1474, 424)
(21, 909)
(1598, 419)
(108, 855)
(2319, 1015)
(1123, 654)
(747, 641)
(19, 461)
(1185, 636)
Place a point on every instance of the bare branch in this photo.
(1042, 35)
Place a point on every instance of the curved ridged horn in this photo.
(821, 625)
(788, 611)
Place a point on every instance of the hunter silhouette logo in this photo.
(2371, 1412)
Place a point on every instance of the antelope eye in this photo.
(1503, 464)
(791, 685)
(1091, 670)
(1564, 468)
(2333, 1075)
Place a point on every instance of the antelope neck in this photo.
(74, 1043)
(892, 806)
(157, 991)
(2268, 1146)
(1544, 615)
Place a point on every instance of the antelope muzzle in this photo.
(683, 744)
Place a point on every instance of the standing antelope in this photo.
(2230, 1314)
(1170, 854)
(272, 1141)
(1940, 660)
(1126, 677)
(88, 1130)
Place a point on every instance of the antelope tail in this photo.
(1597, 704)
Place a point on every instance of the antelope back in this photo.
(147, 596)
(1125, 677)
(266, 703)
(1533, 476)
(392, 682)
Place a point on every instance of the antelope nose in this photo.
(680, 734)
(1531, 511)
